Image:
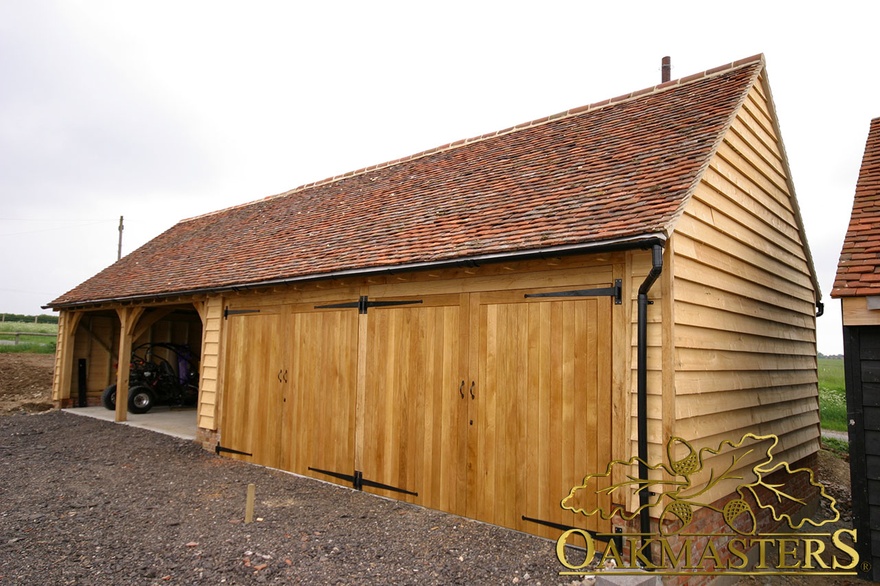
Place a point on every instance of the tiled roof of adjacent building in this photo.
(616, 172)
(858, 271)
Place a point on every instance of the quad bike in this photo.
(156, 380)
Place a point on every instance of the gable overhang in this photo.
(796, 208)
(642, 242)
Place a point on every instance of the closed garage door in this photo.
(253, 393)
(289, 392)
(491, 405)
(541, 414)
(414, 402)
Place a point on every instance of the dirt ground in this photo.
(26, 382)
(158, 510)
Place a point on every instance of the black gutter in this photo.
(466, 262)
(642, 382)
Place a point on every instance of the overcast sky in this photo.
(162, 110)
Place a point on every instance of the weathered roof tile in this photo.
(618, 170)
(859, 264)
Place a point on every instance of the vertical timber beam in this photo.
(128, 318)
(68, 323)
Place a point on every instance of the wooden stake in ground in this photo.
(249, 506)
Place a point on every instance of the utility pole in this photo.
(119, 248)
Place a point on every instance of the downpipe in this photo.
(642, 381)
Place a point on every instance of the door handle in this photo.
(461, 389)
(472, 389)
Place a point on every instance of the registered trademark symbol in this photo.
(866, 566)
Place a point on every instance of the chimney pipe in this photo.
(666, 70)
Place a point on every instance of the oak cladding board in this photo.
(743, 298)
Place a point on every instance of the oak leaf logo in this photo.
(693, 473)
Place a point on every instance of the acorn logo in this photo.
(688, 480)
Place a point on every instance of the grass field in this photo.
(27, 341)
(832, 394)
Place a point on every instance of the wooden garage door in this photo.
(254, 390)
(414, 402)
(290, 388)
(540, 418)
(491, 405)
(319, 416)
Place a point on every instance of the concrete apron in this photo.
(176, 421)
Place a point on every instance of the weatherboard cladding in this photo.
(618, 170)
(858, 271)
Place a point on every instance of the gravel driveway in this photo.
(89, 502)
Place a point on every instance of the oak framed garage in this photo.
(475, 327)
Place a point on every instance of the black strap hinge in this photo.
(339, 475)
(559, 526)
(227, 312)
(615, 291)
(218, 449)
(374, 484)
(358, 482)
(363, 303)
(339, 306)
(604, 537)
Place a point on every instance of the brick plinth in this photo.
(208, 438)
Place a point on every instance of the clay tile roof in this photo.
(614, 172)
(858, 271)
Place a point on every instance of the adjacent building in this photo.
(857, 285)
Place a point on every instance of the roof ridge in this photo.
(715, 71)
